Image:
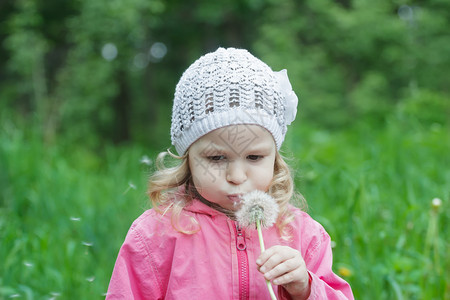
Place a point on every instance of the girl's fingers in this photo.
(270, 258)
(283, 269)
(286, 278)
(266, 255)
(285, 266)
(281, 257)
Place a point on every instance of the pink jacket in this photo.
(218, 262)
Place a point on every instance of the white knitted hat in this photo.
(228, 87)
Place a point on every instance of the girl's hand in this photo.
(285, 266)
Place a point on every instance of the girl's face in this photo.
(232, 161)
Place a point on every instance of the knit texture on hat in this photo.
(226, 87)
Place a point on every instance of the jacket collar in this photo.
(196, 206)
(201, 205)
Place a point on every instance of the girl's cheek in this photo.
(263, 177)
(210, 177)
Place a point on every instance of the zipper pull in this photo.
(240, 240)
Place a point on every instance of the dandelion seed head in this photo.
(436, 203)
(257, 205)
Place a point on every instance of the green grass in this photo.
(65, 209)
(372, 189)
(63, 214)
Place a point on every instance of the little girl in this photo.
(229, 119)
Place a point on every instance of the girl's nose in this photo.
(236, 173)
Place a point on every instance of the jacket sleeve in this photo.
(134, 275)
(316, 245)
(324, 283)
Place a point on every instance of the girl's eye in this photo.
(216, 158)
(254, 157)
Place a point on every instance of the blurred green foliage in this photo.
(86, 91)
(87, 70)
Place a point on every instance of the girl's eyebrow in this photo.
(212, 147)
(259, 148)
(260, 145)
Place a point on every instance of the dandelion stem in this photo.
(260, 236)
(261, 243)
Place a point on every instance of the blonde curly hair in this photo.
(167, 197)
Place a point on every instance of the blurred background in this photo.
(86, 89)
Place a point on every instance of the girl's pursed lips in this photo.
(235, 197)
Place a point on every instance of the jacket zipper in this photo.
(244, 284)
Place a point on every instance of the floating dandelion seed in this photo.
(28, 264)
(88, 244)
(145, 160)
(130, 186)
(260, 209)
(75, 219)
(54, 295)
(90, 279)
(14, 296)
